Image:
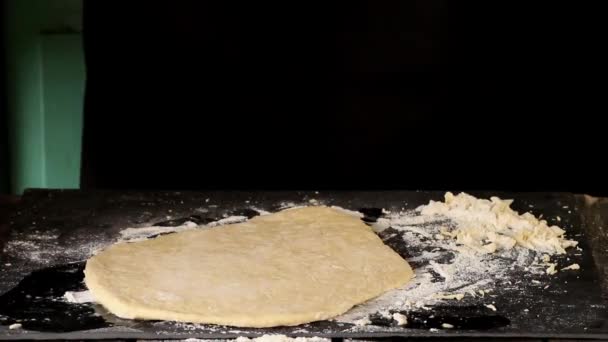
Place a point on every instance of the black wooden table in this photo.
(53, 231)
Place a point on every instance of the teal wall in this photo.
(45, 87)
(63, 93)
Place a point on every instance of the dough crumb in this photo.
(572, 267)
(400, 318)
(487, 226)
(78, 297)
(447, 326)
(491, 307)
(457, 296)
(15, 326)
(551, 269)
(282, 338)
(363, 321)
(385, 314)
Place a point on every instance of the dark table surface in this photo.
(8, 204)
(95, 218)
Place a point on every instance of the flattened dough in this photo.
(292, 267)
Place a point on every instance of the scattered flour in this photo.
(40, 247)
(262, 212)
(79, 297)
(138, 234)
(346, 211)
(288, 205)
(143, 233)
(282, 338)
(228, 220)
(449, 268)
(263, 338)
(362, 321)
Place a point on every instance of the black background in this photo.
(4, 170)
(344, 95)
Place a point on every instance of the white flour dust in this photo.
(41, 247)
(263, 338)
(282, 338)
(450, 269)
(143, 233)
(79, 297)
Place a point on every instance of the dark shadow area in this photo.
(4, 158)
(343, 95)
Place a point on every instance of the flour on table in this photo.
(263, 338)
(282, 338)
(346, 211)
(40, 247)
(142, 233)
(362, 321)
(261, 211)
(228, 220)
(78, 297)
(460, 250)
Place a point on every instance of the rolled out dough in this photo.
(292, 267)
